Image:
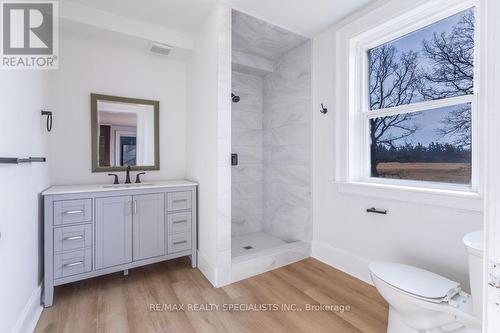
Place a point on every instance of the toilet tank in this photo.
(474, 243)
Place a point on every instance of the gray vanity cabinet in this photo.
(113, 231)
(148, 226)
(129, 228)
(92, 230)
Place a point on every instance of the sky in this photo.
(413, 41)
(428, 121)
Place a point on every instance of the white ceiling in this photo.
(179, 15)
(306, 17)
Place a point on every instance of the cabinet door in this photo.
(149, 226)
(113, 231)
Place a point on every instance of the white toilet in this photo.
(421, 301)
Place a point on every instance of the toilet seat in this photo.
(416, 282)
(423, 301)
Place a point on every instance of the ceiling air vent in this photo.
(160, 48)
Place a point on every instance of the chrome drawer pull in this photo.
(72, 238)
(74, 264)
(180, 200)
(180, 221)
(181, 242)
(71, 212)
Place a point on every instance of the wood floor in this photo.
(114, 303)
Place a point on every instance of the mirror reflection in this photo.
(126, 133)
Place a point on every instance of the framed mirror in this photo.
(125, 131)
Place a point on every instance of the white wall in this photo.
(90, 65)
(202, 138)
(209, 142)
(23, 94)
(491, 315)
(346, 236)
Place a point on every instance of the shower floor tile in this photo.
(253, 242)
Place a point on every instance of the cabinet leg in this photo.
(125, 272)
(193, 260)
(48, 294)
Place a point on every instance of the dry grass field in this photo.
(439, 172)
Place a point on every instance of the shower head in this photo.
(235, 98)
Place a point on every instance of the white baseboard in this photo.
(28, 319)
(207, 268)
(345, 261)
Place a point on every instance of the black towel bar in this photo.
(16, 160)
(376, 211)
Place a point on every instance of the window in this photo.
(419, 115)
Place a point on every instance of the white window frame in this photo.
(357, 167)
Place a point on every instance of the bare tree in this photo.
(394, 80)
(451, 73)
(457, 125)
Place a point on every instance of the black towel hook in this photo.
(323, 109)
(49, 119)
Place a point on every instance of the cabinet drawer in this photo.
(72, 263)
(72, 211)
(179, 201)
(179, 222)
(179, 242)
(72, 237)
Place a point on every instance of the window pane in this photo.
(432, 145)
(431, 63)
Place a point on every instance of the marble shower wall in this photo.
(262, 39)
(247, 177)
(271, 189)
(287, 147)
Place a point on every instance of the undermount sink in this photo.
(126, 185)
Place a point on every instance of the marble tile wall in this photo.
(261, 38)
(287, 147)
(247, 135)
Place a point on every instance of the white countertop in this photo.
(68, 189)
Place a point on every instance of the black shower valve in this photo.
(234, 159)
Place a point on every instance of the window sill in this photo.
(468, 201)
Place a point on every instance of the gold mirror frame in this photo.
(95, 145)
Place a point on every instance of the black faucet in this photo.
(127, 178)
(116, 177)
(138, 177)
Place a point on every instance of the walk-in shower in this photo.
(271, 202)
